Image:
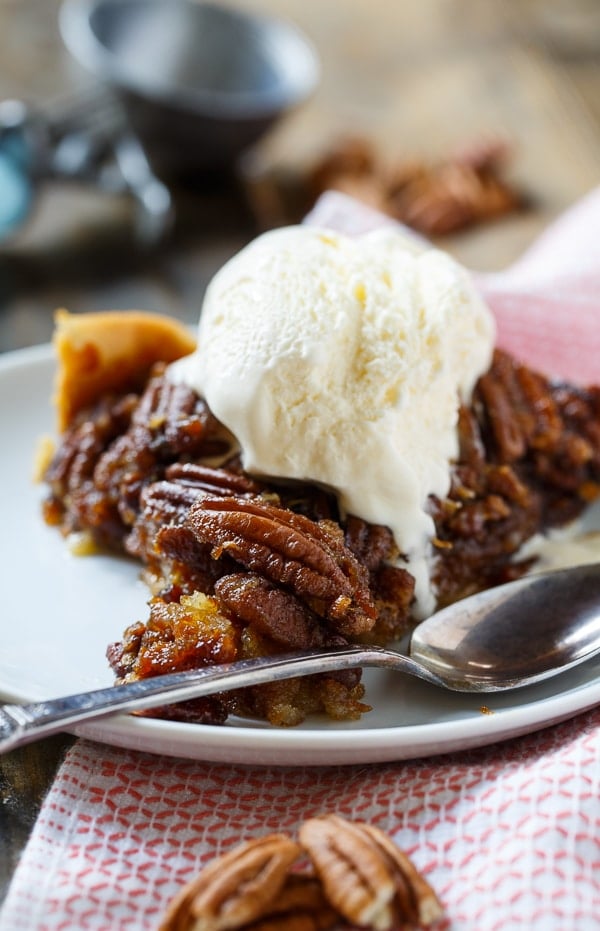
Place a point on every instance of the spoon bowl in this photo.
(514, 635)
(504, 638)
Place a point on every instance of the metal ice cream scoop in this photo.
(510, 636)
(181, 90)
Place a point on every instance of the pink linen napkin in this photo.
(509, 836)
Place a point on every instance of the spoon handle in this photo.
(21, 724)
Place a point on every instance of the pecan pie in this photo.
(240, 566)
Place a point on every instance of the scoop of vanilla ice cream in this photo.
(342, 361)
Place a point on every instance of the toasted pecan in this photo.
(365, 877)
(355, 873)
(271, 610)
(307, 557)
(300, 905)
(235, 889)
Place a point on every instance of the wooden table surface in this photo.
(415, 78)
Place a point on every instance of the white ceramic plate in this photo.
(60, 611)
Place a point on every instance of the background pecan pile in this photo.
(434, 198)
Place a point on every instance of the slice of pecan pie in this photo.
(240, 566)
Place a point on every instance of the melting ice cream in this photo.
(343, 361)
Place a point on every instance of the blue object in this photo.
(16, 186)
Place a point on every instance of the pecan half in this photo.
(212, 480)
(235, 889)
(415, 898)
(299, 906)
(365, 877)
(433, 197)
(158, 537)
(170, 422)
(307, 557)
(272, 611)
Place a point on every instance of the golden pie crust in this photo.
(110, 351)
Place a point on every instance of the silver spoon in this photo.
(504, 638)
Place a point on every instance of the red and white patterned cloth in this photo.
(509, 835)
